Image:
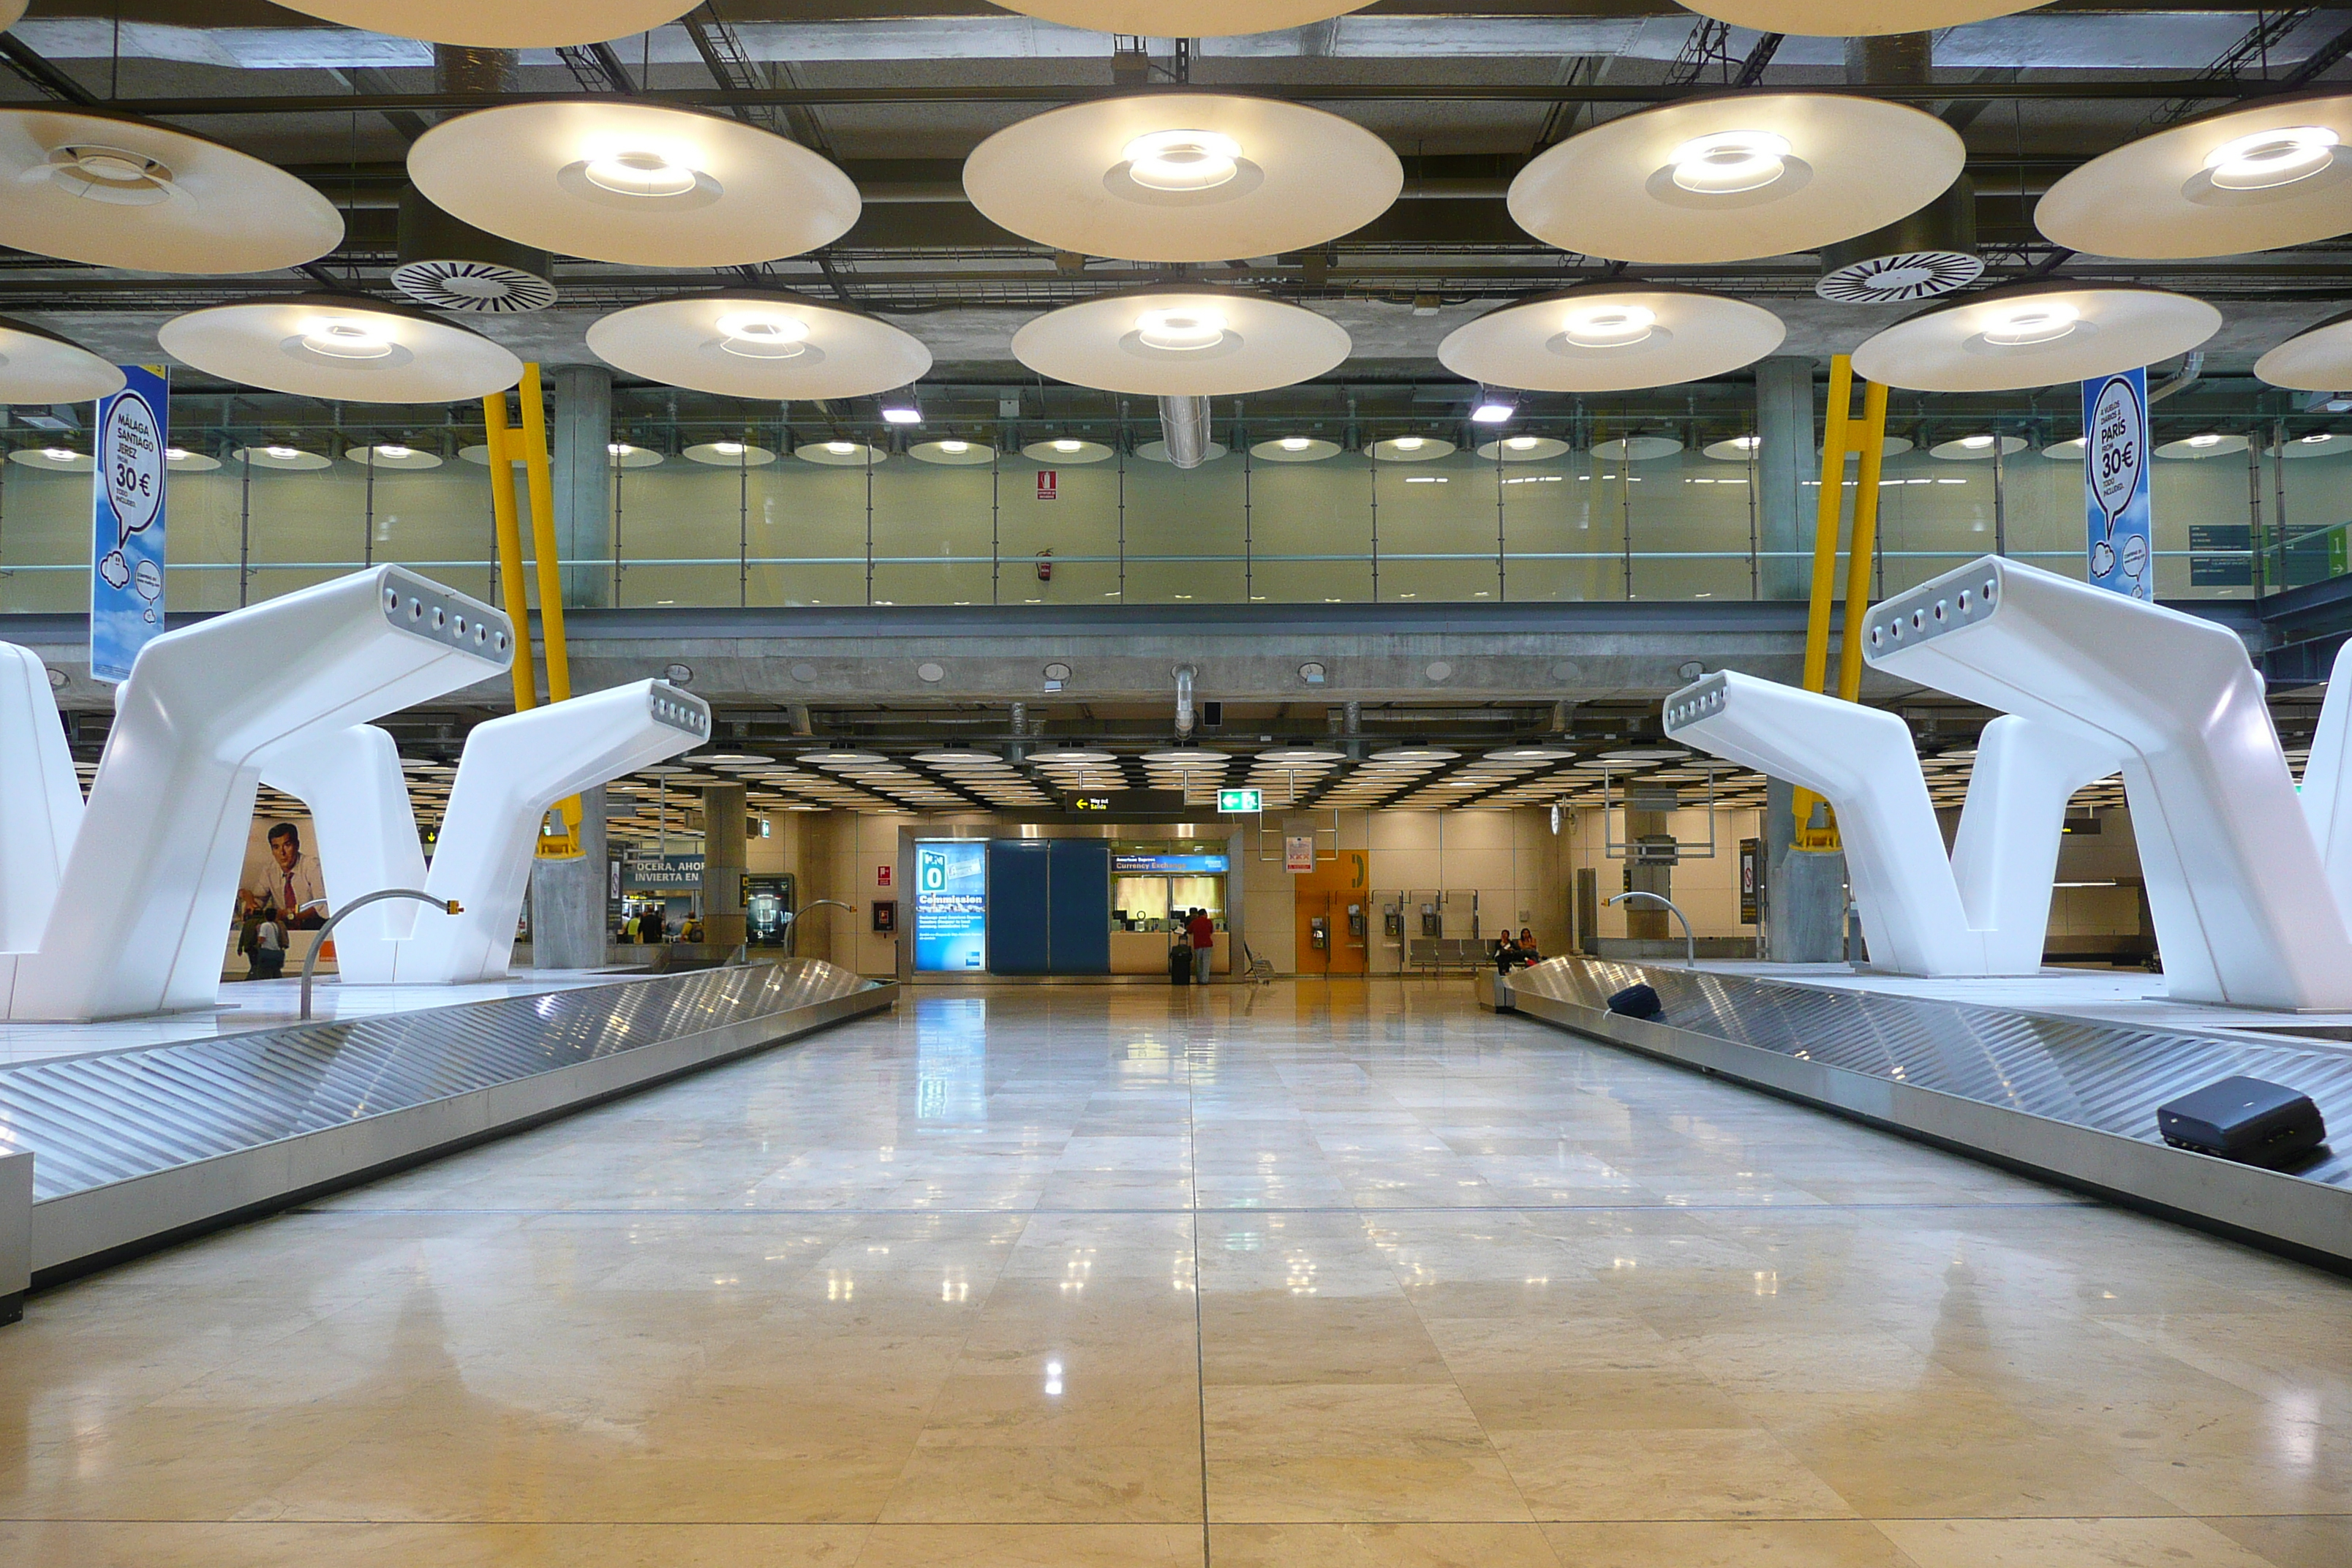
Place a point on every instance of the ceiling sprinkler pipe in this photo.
(1184, 673)
(2191, 372)
(1185, 427)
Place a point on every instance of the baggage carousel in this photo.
(2068, 1098)
(103, 1155)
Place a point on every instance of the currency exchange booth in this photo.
(1067, 905)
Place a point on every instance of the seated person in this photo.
(1506, 953)
(1527, 954)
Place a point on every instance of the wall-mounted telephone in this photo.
(1356, 920)
(1319, 928)
(1391, 921)
(1431, 922)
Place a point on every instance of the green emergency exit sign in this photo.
(1241, 800)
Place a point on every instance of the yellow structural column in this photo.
(1843, 437)
(509, 542)
(543, 537)
(1861, 554)
(1827, 514)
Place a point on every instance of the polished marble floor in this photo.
(1331, 1273)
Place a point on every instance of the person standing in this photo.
(1203, 933)
(268, 948)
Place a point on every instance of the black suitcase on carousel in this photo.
(2244, 1118)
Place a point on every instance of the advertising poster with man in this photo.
(280, 892)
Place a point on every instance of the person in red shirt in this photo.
(1203, 933)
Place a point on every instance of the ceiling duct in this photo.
(453, 265)
(1185, 427)
(1931, 252)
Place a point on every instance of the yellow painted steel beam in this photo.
(1828, 508)
(543, 537)
(509, 542)
(1861, 553)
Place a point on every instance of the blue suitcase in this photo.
(2244, 1118)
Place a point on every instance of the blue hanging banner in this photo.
(126, 550)
(2114, 484)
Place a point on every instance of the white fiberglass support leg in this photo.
(364, 834)
(40, 799)
(513, 769)
(2328, 778)
(1982, 911)
(152, 880)
(2243, 911)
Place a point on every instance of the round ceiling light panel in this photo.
(2064, 451)
(2034, 334)
(1157, 452)
(2275, 174)
(634, 184)
(625, 456)
(1737, 177)
(1523, 449)
(345, 346)
(505, 24)
(1295, 450)
(1735, 449)
(1409, 450)
(840, 453)
(761, 344)
(1181, 343)
(180, 460)
(2320, 444)
(38, 366)
(56, 459)
(127, 193)
(393, 454)
(1190, 176)
(1610, 337)
(1978, 448)
(1185, 19)
(2318, 359)
(953, 453)
(2204, 443)
(729, 455)
(1854, 18)
(292, 460)
(1061, 451)
(1636, 448)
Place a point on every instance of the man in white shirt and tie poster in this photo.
(289, 881)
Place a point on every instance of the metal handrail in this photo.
(310, 959)
(1690, 942)
(791, 921)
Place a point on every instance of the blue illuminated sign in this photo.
(1168, 865)
(951, 905)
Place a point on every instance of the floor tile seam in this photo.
(1200, 1333)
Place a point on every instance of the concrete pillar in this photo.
(568, 914)
(1650, 868)
(582, 474)
(1785, 459)
(723, 864)
(1804, 892)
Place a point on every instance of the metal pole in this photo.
(245, 529)
(1372, 458)
(995, 560)
(1502, 575)
(310, 959)
(743, 524)
(367, 523)
(869, 521)
(1690, 942)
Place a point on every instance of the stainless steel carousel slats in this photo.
(2105, 1077)
(112, 1116)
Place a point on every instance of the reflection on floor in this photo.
(1329, 1273)
(247, 1004)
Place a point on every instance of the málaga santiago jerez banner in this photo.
(126, 547)
(2114, 484)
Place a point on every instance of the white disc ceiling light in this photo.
(1735, 178)
(1523, 449)
(123, 192)
(501, 23)
(634, 184)
(1181, 343)
(2276, 174)
(2034, 334)
(1183, 177)
(1610, 337)
(38, 366)
(1855, 18)
(1295, 450)
(759, 343)
(1185, 19)
(1061, 450)
(345, 346)
(2318, 359)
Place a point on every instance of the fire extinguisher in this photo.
(1045, 565)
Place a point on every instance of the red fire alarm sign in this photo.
(1049, 485)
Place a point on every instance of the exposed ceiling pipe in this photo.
(1185, 427)
(1184, 673)
(2191, 372)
